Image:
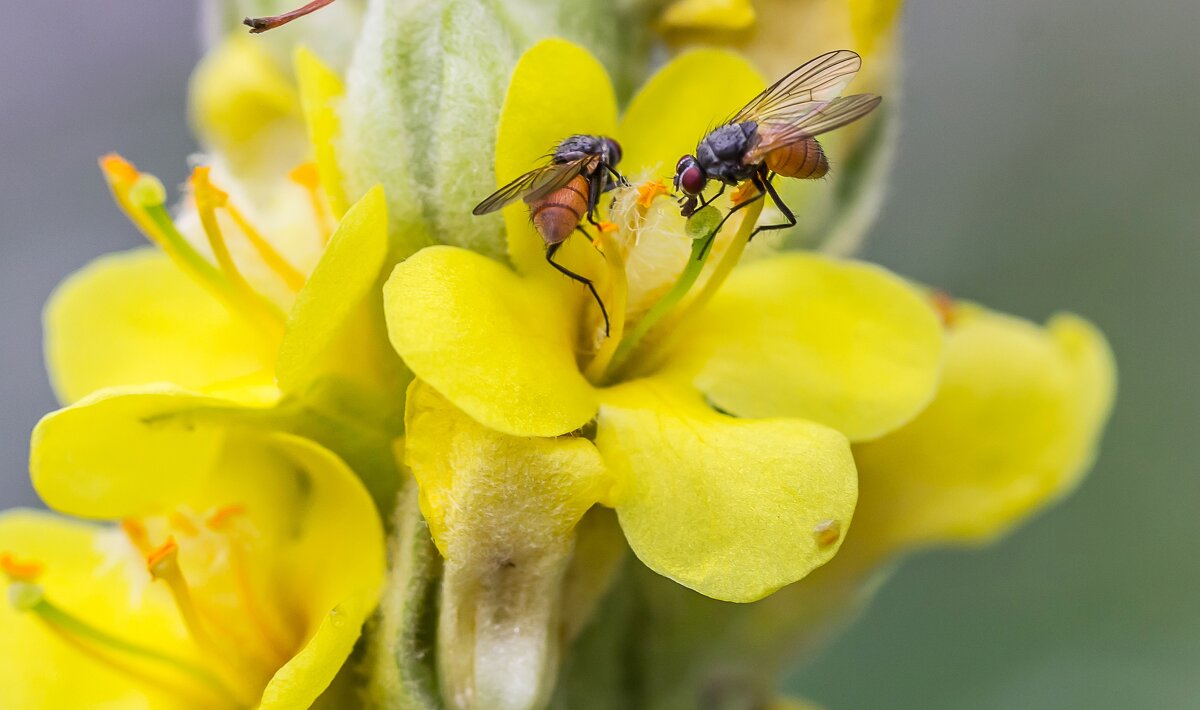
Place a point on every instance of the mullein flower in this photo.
(238, 580)
(255, 304)
(1013, 427)
(510, 364)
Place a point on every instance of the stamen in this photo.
(142, 200)
(20, 570)
(163, 564)
(649, 191)
(208, 198)
(745, 192)
(183, 524)
(614, 263)
(946, 308)
(223, 521)
(308, 176)
(136, 532)
(108, 649)
(202, 182)
(671, 309)
(606, 227)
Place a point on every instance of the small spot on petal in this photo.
(827, 532)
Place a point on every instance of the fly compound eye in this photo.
(692, 180)
(614, 151)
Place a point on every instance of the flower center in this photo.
(239, 641)
(635, 347)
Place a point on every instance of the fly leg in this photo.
(613, 172)
(768, 188)
(741, 206)
(550, 251)
(705, 203)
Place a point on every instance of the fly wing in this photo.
(786, 130)
(805, 89)
(533, 185)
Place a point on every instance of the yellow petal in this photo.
(334, 565)
(496, 345)
(346, 275)
(320, 89)
(842, 343)
(1014, 426)
(679, 104)
(557, 90)
(709, 15)
(84, 575)
(733, 508)
(246, 108)
(97, 458)
(502, 510)
(134, 318)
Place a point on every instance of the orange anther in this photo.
(221, 518)
(167, 551)
(306, 175)
(136, 532)
(183, 524)
(945, 306)
(20, 570)
(118, 169)
(744, 193)
(607, 227)
(203, 189)
(650, 191)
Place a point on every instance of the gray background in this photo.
(1048, 161)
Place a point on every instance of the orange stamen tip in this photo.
(203, 189)
(220, 519)
(118, 169)
(306, 175)
(649, 191)
(607, 227)
(166, 552)
(744, 193)
(20, 570)
(183, 524)
(945, 306)
(136, 532)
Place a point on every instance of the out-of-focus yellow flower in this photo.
(240, 575)
(268, 307)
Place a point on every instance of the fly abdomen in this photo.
(556, 215)
(803, 159)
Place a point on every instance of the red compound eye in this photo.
(692, 180)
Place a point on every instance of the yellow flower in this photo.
(810, 352)
(261, 296)
(240, 575)
(1014, 426)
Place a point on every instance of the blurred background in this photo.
(1049, 160)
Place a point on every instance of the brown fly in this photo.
(775, 134)
(562, 194)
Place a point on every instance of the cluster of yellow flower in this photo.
(320, 340)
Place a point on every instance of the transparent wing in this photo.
(533, 185)
(773, 135)
(805, 89)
